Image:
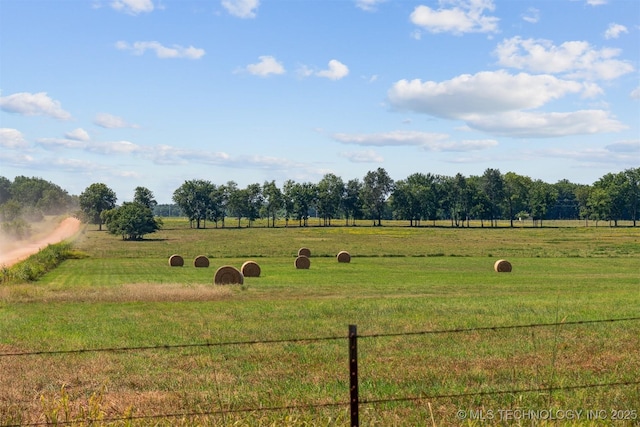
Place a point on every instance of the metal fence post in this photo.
(353, 374)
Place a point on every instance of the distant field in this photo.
(401, 283)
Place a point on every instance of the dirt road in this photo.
(67, 228)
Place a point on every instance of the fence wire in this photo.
(345, 404)
(311, 339)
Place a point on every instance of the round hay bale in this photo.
(250, 269)
(303, 262)
(228, 275)
(176, 261)
(304, 252)
(201, 261)
(502, 266)
(344, 256)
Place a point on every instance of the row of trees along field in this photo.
(419, 197)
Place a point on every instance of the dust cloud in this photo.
(12, 252)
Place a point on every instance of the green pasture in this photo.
(401, 284)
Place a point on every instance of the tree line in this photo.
(417, 199)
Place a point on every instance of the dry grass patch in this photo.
(133, 292)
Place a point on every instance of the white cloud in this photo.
(485, 93)
(614, 31)
(597, 2)
(12, 138)
(368, 5)
(162, 52)
(110, 121)
(574, 58)
(33, 104)
(465, 16)
(132, 7)
(267, 65)
(625, 146)
(519, 124)
(426, 140)
(395, 138)
(241, 8)
(336, 71)
(532, 15)
(110, 147)
(367, 156)
(635, 94)
(78, 135)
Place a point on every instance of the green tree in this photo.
(351, 202)
(254, 202)
(330, 195)
(493, 187)
(633, 192)
(616, 187)
(516, 189)
(94, 200)
(219, 199)
(5, 190)
(144, 196)
(193, 198)
(377, 185)
(273, 201)
(599, 203)
(542, 196)
(132, 221)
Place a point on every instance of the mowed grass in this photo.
(402, 282)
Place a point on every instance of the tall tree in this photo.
(615, 185)
(94, 200)
(273, 201)
(633, 192)
(254, 202)
(542, 197)
(567, 205)
(144, 196)
(193, 197)
(351, 202)
(219, 201)
(493, 187)
(377, 185)
(516, 189)
(330, 195)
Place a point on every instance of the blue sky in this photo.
(155, 92)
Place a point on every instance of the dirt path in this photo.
(67, 228)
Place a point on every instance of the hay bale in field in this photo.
(228, 275)
(201, 261)
(176, 261)
(250, 269)
(344, 256)
(304, 252)
(302, 262)
(502, 266)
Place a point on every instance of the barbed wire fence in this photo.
(354, 401)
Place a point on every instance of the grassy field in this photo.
(401, 283)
